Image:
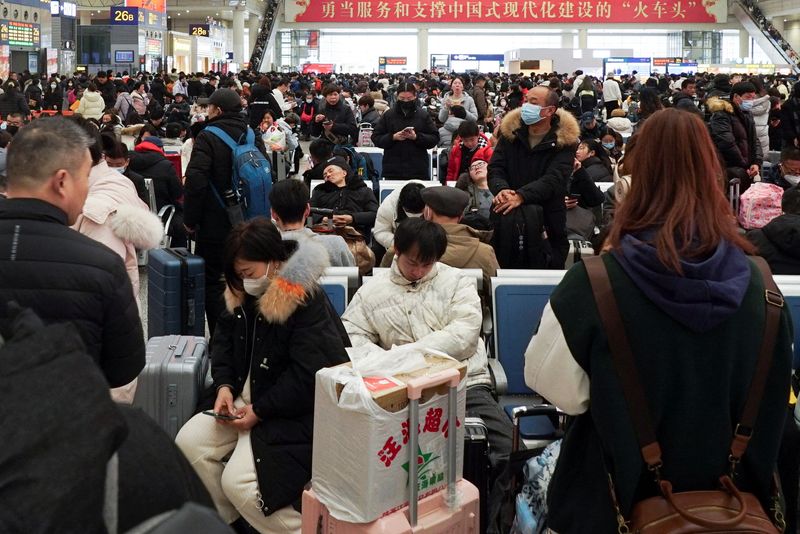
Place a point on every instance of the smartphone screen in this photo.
(222, 416)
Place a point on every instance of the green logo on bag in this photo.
(425, 478)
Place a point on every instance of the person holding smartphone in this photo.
(277, 331)
(405, 133)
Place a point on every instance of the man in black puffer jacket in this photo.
(62, 275)
(211, 168)
(405, 133)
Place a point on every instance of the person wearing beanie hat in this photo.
(208, 174)
(476, 183)
(353, 203)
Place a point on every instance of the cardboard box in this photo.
(390, 392)
(361, 453)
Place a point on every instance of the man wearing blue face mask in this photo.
(733, 131)
(530, 167)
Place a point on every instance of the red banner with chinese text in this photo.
(508, 11)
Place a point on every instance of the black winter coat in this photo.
(109, 92)
(53, 99)
(790, 121)
(281, 345)
(355, 199)
(212, 166)
(344, 122)
(539, 174)
(261, 100)
(779, 243)
(583, 182)
(734, 134)
(159, 91)
(154, 165)
(406, 159)
(13, 102)
(194, 88)
(66, 451)
(65, 276)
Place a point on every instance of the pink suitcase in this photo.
(453, 510)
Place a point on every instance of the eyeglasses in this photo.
(477, 165)
(790, 170)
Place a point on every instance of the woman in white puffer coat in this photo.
(760, 111)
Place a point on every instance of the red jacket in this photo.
(454, 162)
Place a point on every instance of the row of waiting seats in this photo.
(519, 297)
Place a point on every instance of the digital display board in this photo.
(626, 65)
(20, 33)
(124, 56)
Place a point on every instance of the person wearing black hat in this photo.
(591, 128)
(211, 166)
(467, 248)
(354, 203)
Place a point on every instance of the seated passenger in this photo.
(591, 128)
(467, 143)
(347, 195)
(779, 241)
(277, 331)
(476, 183)
(319, 151)
(787, 173)
(467, 248)
(456, 116)
(290, 209)
(693, 309)
(401, 204)
(435, 306)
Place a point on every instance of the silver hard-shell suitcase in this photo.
(172, 380)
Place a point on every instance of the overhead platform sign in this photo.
(509, 11)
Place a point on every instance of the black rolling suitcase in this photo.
(476, 462)
(175, 293)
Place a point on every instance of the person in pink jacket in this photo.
(114, 215)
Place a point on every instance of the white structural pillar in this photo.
(583, 39)
(744, 44)
(253, 28)
(193, 55)
(567, 40)
(238, 35)
(423, 59)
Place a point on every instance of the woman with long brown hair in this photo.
(692, 304)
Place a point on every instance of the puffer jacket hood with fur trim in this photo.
(297, 278)
(715, 103)
(567, 128)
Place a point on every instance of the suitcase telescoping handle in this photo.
(415, 387)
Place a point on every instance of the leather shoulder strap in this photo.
(624, 362)
(774, 303)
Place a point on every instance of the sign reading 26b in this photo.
(126, 16)
(200, 30)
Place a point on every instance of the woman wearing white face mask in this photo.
(277, 331)
(53, 96)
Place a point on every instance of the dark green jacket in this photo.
(696, 384)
